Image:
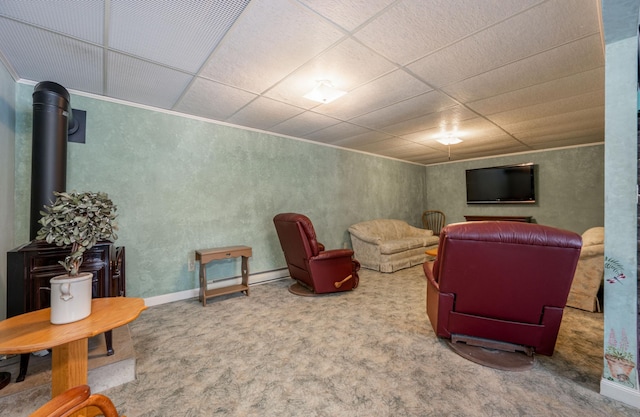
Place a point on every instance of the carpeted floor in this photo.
(370, 352)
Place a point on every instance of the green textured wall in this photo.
(183, 184)
(569, 187)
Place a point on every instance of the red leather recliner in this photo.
(318, 270)
(502, 281)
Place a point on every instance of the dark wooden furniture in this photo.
(524, 219)
(204, 256)
(31, 266)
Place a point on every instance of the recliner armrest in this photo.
(333, 253)
(428, 272)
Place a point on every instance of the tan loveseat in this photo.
(387, 245)
(589, 272)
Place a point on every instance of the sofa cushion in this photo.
(381, 230)
(399, 245)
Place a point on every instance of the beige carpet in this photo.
(370, 352)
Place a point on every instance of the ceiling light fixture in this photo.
(324, 92)
(449, 140)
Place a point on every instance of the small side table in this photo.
(33, 331)
(432, 252)
(205, 256)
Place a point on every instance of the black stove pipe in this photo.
(51, 114)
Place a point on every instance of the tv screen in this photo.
(505, 184)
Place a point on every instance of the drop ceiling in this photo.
(507, 76)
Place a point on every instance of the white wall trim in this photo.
(621, 393)
(254, 279)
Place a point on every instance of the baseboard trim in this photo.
(620, 393)
(254, 279)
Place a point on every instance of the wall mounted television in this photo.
(502, 185)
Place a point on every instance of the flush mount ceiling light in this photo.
(449, 140)
(324, 92)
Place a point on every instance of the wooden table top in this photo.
(33, 331)
(212, 254)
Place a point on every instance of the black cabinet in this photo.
(31, 266)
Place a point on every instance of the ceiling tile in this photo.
(362, 139)
(457, 155)
(270, 40)
(387, 90)
(213, 100)
(495, 144)
(81, 19)
(422, 27)
(40, 55)
(568, 138)
(263, 113)
(575, 84)
(428, 103)
(347, 14)
(448, 119)
(430, 159)
(170, 33)
(142, 82)
(347, 65)
(551, 108)
(304, 123)
(384, 145)
(564, 122)
(473, 129)
(571, 58)
(404, 150)
(470, 147)
(536, 30)
(335, 133)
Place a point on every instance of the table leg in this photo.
(69, 366)
(203, 284)
(245, 272)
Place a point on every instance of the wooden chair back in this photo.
(433, 220)
(74, 400)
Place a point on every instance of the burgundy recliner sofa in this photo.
(316, 269)
(502, 281)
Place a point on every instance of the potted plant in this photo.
(78, 220)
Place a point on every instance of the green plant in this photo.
(79, 220)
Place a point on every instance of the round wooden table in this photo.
(432, 252)
(33, 331)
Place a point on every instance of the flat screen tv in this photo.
(502, 185)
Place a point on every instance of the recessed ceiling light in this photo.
(324, 92)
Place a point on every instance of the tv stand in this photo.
(524, 219)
